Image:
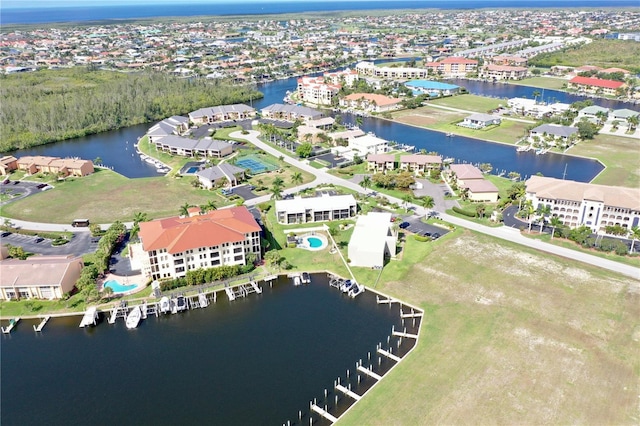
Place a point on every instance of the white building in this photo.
(368, 144)
(170, 247)
(577, 203)
(316, 209)
(373, 240)
(316, 90)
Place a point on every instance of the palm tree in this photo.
(535, 94)
(366, 182)
(406, 199)
(137, 218)
(427, 203)
(634, 233)
(210, 206)
(184, 209)
(633, 122)
(555, 222)
(297, 178)
(276, 192)
(278, 183)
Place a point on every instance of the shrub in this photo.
(464, 212)
(421, 238)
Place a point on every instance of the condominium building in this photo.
(373, 241)
(316, 90)
(316, 209)
(578, 203)
(62, 166)
(221, 113)
(170, 247)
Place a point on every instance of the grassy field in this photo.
(541, 82)
(602, 53)
(510, 336)
(619, 154)
(470, 102)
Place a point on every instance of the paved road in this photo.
(322, 177)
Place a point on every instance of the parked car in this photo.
(435, 235)
(42, 185)
(16, 182)
(6, 181)
(426, 234)
(39, 239)
(404, 225)
(5, 234)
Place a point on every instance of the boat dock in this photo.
(347, 392)
(369, 373)
(382, 300)
(40, 326)
(11, 326)
(323, 413)
(230, 294)
(403, 334)
(413, 314)
(90, 317)
(389, 355)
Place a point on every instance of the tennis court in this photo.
(255, 164)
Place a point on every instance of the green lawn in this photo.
(469, 102)
(619, 154)
(542, 82)
(509, 336)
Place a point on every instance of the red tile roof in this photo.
(597, 82)
(177, 234)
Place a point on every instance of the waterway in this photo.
(116, 150)
(257, 360)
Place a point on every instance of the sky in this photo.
(69, 3)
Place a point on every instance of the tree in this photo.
(273, 257)
(427, 202)
(137, 218)
(406, 199)
(480, 209)
(17, 252)
(634, 233)
(555, 222)
(304, 150)
(586, 130)
(276, 192)
(209, 206)
(535, 94)
(97, 160)
(278, 182)
(404, 180)
(365, 182)
(184, 209)
(297, 178)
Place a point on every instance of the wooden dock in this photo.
(11, 326)
(402, 334)
(369, 373)
(389, 355)
(412, 314)
(40, 326)
(323, 413)
(90, 317)
(230, 294)
(347, 392)
(382, 300)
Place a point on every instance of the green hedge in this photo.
(464, 212)
(421, 238)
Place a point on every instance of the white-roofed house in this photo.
(478, 121)
(316, 209)
(551, 133)
(368, 144)
(220, 174)
(373, 240)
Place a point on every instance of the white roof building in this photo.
(316, 209)
(372, 241)
(369, 144)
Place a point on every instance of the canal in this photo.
(257, 360)
(116, 151)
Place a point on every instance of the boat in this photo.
(133, 318)
(449, 135)
(347, 286)
(356, 289)
(165, 305)
(306, 278)
(202, 300)
(178, 304)
(448, 160)
(296, 280)
(523, 148)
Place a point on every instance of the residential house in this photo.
(175, 125)
(172, 246)
(420, 163)
(516, 61)
(220, 113)
(373, 241)
(290, 112)
(380, 163)
(39, 277)
(221, 174)
(552, 133)
(54, 165)
(365, 68)
(596, 86)
(471, 180)
(623, 114)
(593, 113)
(503, 72)
(8, 163)
(479, 121)
(578, 203)
(370, 102)
(315, 209)
(460, 173)
(206, 147)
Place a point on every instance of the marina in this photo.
(345, 391)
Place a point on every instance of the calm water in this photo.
(257, 360)
(15, 12)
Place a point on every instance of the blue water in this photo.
(193, 169)
(314, 242)
(119, 288)
(13, 12)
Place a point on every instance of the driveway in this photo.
(245, 192)
(436, 191)
(20, 188)
(509, 218)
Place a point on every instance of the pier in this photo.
(90, 317)
(323, 413)
(40, 326)
(369, 373)
(382, 300)
(347, 392)
(413, 314)
(389, 355)
(11, 326)
(230, 294)
(402, 334)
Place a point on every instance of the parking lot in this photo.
(81, 243)
(416, 226)
(17, 190)
(245, 191)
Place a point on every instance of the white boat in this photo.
(165, 305)
(523, 148)
(296, 280)
(347, 286)
(306, 279)
(133, 318)
(356, 289)
(178, 304)
(202, 299)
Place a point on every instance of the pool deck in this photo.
(125, 280)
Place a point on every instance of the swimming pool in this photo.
(119, 288)
(313, 242)
(192, 170)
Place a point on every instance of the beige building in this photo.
(370, 102)
(55, 165)
(420, 163)
(381, 163)
(39, 277)
(470, 179)
(578, 203)
(8, 163)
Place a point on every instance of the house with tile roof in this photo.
(172, 246)
(370, 102)
(420, 163)
(206, 147)
(220, 113)
(578, 203)
(380, 163)
(595, 85)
